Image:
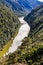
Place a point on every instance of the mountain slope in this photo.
(21, 7)
(31, 50)
(9, 24)
(35, 14)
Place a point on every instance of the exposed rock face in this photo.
(9, 23)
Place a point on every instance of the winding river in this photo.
(23, 32)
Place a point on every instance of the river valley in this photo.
(23, 32)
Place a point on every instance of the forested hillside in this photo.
(31, 50)
(9, 24)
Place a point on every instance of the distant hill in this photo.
(9, 24)
(31, 50)
(34, 16)
(21, 7)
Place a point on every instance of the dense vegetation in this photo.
(9, 24)
(31, 50)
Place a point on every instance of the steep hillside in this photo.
(9, 24)
(34, 16)
(21, 7)
(31, 50)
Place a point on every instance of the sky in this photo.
(40, 0)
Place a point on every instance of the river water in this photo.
(23, 32)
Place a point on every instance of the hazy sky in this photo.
(40, 0)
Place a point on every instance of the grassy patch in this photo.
(6, 47)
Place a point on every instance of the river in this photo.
(23, 32)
